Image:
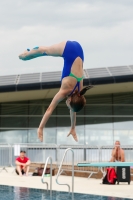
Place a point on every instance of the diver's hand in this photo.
(40, 134)
(73, 133)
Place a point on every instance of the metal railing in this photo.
(59, 171)
(44, 171)
(81, 154)
(38, 153)
(5, 156)
(106, 151)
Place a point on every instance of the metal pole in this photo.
(50, 175)
(72, 170)
(49, 158)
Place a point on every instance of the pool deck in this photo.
(81, 185)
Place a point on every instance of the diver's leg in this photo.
(54, 50)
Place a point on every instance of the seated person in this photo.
(117, 153)
(22, 164)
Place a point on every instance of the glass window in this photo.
(123, 123)
(32, 136)
(98, 110)
(105, 118)
(62, 110)
(36, 109)
(62, 116)
(99, 99)
(80, 121)
(124, 136)
(101, 117)
(34, 121)
(99, 137)
(130, 136)
(51, 122)
(14, 122)
(123, 110)
(99, 123)
(80, 134)
(14, 109)
(63, 121)
(63, 139)
(14, 115)
(13, 136)
(62, 136)
(123, 98)
(50, 135)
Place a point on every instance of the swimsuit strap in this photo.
(77, 78)
(77, 85)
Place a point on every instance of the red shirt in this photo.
(22, 160)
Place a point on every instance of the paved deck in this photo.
(81, 185)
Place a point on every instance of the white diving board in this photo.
(106, 164)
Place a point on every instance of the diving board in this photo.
(106, 164)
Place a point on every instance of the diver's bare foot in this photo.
(24, 55)
(30, 54)
(40, 134)
(73, 133)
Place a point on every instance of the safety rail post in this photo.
(4, 157)
(10, 155)
(69, 149)
(42, 179)
(37, 152)
(81, 153)
(84, 154)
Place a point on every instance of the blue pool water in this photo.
(21, 193)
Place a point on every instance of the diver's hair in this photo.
(84, 90)
(78, 101)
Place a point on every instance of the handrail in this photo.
(65, 146)
(42, 179)
(10, 155)
(59, 171)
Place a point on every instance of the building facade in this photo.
(107, 116)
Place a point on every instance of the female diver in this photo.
(71, 80)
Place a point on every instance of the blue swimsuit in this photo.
(72, 50)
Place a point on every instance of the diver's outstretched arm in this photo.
(73, 119)
(73, 124)
(58, 97)
(54, 50)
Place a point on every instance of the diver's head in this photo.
(77, 100)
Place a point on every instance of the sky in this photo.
(104, 28)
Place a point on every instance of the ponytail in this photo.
(84, 90)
